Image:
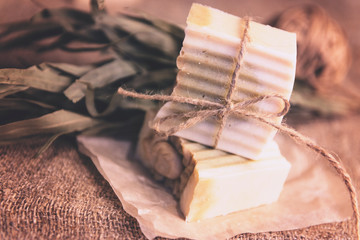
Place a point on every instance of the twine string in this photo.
(223, 115)
(208, 109)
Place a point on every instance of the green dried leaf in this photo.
(84, 49)
(10, 28)
(64, 25)
(132, 124)
(90, 103)
(40, 77)
(143, 35)
(100, 77)
(55, 123)
(11, 111)
(33, 34)
(154, 80)
(146, 52)
(6, 89)
(74, 70)
(23, 104)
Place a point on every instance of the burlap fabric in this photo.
(61, 195)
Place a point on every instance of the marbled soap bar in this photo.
(207, 64)
(221, 183)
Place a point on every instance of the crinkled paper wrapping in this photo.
(313, 194)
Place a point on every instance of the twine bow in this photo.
(207, 109)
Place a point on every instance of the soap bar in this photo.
(210, 182)
(222, 183)
(207, 64)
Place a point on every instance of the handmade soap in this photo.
(208, 62)
(222, 183)
(210, 182)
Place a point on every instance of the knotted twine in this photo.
(222, 111)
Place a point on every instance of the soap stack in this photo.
(246, 169)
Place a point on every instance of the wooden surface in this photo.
(61, 194)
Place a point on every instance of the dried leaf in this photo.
(65, 25)
(74, 70)
(100, 77)
(142, 35)
(91, 107)
(23, 104)
(29, 36)
(14, 110)
(56, 122)
(40, 77)
(10, 28)
(6, 89)
(155, 80)
(115, 129)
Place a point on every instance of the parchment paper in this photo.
(313, 194)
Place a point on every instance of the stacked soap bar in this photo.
(220, 183)
(209, 182)
(207, 64)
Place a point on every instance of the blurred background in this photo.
(346, 12)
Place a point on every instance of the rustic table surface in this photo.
(61, 194)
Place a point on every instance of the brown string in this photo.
(222, 111)
(207, 109)
(223, 115)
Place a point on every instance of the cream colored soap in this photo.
(206, 65)
(210, 182)
(223, 183)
